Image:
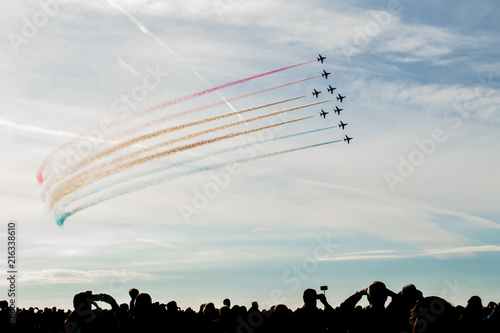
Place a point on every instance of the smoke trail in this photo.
(117, 139)
(85, 174)
(210, 90)
(40, 173)
(49, 182)
(204, 107)
(77, 183)
(127, 188)
(97, 187)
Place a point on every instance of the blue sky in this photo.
(422, 85)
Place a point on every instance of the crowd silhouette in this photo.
(407, 311)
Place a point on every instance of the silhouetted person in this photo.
(433, 315)
(144, 319)
(123, 312)
(133, 294)
(472, 317)
(227, 302)
(225, 323)
(373, 318)
(491, 323)
(281, 320)
(205, 317)
(310, 318)
(174, 319)
(401, 305)
(490, 307)
(84, 319)
(4, 316)
(254, 307)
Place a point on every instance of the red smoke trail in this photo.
(207, 91)
(40, 174)
(200, 108)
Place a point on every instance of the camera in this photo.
(94, 297)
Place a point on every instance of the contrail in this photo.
(127, 66)
(99, 168)
(127, 188)
(210, 90)
(40, 174)
(79, 181)
(109, 182)
(146, 31)
(34, 129)
(50, 181)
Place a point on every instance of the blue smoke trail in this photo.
(109, 182)
(127, 187)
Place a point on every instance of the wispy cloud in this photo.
(74, 276)
(410, 204)
(156, 242)
(478, 101)
(443, 253)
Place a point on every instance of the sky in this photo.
(412, 198)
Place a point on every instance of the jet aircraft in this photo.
(342, 125)
(331, 89)
(340, 97)
(316, 93)
(325, 74)
(347, 139)
(323, 113)
(337, 110)
(321, 58)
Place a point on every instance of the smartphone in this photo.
(323, 288)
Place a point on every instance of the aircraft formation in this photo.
(340, 98)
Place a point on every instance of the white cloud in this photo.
(74, 276)
(478, 101)
(442, 253)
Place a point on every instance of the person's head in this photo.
(410, 294)
(143, 304)
(475, 303)
(433, 315)
(225, 312)
(82, 301)
(209, 309)
(227, 302)
(133, 293)
(255, 305)
(281, 311)
(491, 305)
(172, 306)
(310, 296)
(377, 293)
